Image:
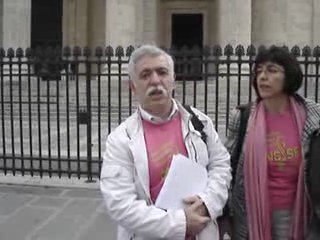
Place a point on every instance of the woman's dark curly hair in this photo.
(282, 57)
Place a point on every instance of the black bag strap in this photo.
(244, 116)
(313, 173)
(197, 124)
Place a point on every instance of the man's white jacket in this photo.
(125, 181)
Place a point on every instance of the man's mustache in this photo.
(155, 90)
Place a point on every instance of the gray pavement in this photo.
(54, 210)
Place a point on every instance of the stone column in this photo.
(75, 23)
(316, 23)
(234, 22)
(146, 21)
(16, 24)
(1, 22)
(234, 27)
(121, 26)
(150, 26)
(16, 30)
(286, 22)
(120, 22)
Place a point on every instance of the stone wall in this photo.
(16, 23)
(287, 22)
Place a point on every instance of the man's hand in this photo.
(196, 214)
(202, 210)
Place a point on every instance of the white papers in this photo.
(185, 178)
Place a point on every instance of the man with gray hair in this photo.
(139, 153)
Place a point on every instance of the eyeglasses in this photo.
(269, 69)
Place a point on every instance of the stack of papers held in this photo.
(185, 178)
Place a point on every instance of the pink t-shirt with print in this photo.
(162, 142)
(284, 158)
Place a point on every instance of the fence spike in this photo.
(306, 51)
(119, 51)
(228, 50)
(217, 50)
(251, 50)
(295, 51)
(285, 48)
(2, 53)
(86, 52)
(129, 50)
(316, 51)
(29, 53)
(19, 52)
(239, 50)
(98, 52)
(76, 51)
(10, 53)
(109, 51)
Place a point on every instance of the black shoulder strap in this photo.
(313, 174)
(244, 116)
(197, 124)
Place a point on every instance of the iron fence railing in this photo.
(58, 105)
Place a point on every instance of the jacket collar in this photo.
(157, 120)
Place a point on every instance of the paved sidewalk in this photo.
(33, 211)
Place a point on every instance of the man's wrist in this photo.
(205, 211)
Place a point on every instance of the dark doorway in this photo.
(46, 31)
(187, 31)
(46, 23)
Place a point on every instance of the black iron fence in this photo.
(58, 105)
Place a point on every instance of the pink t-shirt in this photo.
(284, 158)
(162, 142)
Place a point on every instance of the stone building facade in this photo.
(132, 22)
